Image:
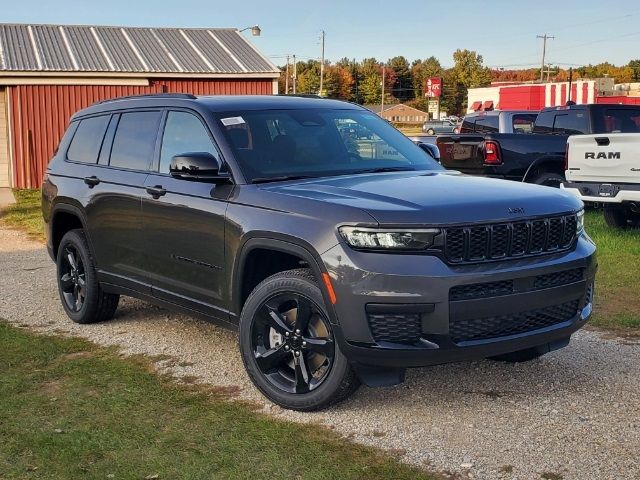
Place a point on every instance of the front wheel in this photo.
(620, 216)
(288, 345)
(431, 131)
(549, 179)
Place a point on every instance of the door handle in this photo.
(156, 191)
(92, 181)
(602, 141)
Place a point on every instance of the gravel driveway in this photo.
(575, 413)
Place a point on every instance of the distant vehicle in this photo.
(433, 127)
(499, 121)
(606, 169)
(536, 158)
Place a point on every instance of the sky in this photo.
(503, 32)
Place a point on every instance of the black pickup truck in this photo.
(538, 157)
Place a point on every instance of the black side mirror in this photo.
(432, 150)
(197, 166)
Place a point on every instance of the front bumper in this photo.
(450, 329)
(604, 192)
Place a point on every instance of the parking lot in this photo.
(572, 414)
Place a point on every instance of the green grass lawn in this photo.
(617, 283)
(70, 409)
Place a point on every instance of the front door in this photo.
(183, 223)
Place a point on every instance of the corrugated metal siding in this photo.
(4, 141)
(40, 114)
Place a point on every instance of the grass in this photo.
(617, 301)
(70, 409)
(26, 213)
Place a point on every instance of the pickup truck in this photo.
(538, 157)
(606, 169)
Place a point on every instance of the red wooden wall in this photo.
(39, 114)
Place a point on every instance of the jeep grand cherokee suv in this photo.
(339, 260)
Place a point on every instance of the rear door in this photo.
(184, 224)
(116, 189)
(604, 158)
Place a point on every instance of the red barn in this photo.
(48, 72)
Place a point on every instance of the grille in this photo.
(505, 325)
(481, 290)
(506, 240)
(559, 278)
(396, 328)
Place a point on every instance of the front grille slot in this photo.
(514, 324)
(559, 278)
(480, 243)
(396, 328)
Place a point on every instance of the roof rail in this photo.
(150, 95)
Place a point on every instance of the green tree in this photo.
(402, 88)
(467, 72)
(634, 65)
(308, 77)
(423, 69)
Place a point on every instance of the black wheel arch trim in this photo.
(553, 159)
(61, 206)
(282, 243)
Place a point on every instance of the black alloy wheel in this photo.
(292, 343)
(73, 280)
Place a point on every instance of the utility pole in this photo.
(321, 62)
(286, 78)
(382, 101)
(295, 75)
(544, 38)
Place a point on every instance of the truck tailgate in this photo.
(604, 158)
(461, 152)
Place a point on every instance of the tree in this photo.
(634, 65)
(338, 82)
(467, 72)
(308, 77)
(402, 88)
(423, 69)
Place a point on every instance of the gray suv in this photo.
(340, 259)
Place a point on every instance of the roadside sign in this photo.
(433, 106)
(433, 87)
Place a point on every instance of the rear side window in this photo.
(572, 122)
(620, 120)
(487, 124)
(135, 139)
(184, 133)
(467, 125)
(87, 140)
(523, 122)
(544, 122)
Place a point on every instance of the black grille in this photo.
(481, 290)
(560, 278)
(505, 325)
(396, 328)
(505, 240)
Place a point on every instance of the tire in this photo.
(620, 216)
(519, 356)
(82, 297)
(431, 131)
(549, 179)
(269, 343)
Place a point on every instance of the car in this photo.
(433, 127)
(604, 169)
(538, 157)
(338, 261)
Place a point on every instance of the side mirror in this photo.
(197, 166)
(432, 150)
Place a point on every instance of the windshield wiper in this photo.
(386, 169)
(280, 179)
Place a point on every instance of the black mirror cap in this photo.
(432, 150)
(196, 166)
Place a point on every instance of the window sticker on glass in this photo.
(232, 121)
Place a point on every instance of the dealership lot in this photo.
(572, 413)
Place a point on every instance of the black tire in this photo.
(284, 378)
(82, 297)
(519, 356)
(431, 131)
(620, 216)
(549, 179)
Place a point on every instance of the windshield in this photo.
(273, 144)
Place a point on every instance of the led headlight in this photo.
(389, 239)
(580, 222)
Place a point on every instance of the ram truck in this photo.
(538, 157)
(606, 169)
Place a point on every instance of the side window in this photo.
(87, 140)
(523, 123)
(468, 126)
(183, 133)
(544, 122)
(135, 140)
(571, 123)
(487, 124)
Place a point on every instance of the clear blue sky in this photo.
(503, 32)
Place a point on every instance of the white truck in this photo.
(605, 168)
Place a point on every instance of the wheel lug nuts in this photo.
(286, 347)
(304, 344)
(297, 332)
(286, 334)
(297, 353)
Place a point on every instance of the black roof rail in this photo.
(150, 95)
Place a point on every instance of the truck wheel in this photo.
(519, 356)
(288, 346)
(431, 131)
(81, 295)
(618, 216)
(549, 179)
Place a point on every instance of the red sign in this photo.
(433, 87)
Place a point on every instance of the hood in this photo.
(433, 198)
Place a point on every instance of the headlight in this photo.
(580, 222)
(389, 239)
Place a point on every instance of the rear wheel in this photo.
(431, 131)
(620, 216)
(288, 346)
(81, 295)
(549, 179)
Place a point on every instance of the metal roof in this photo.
(85, 48)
